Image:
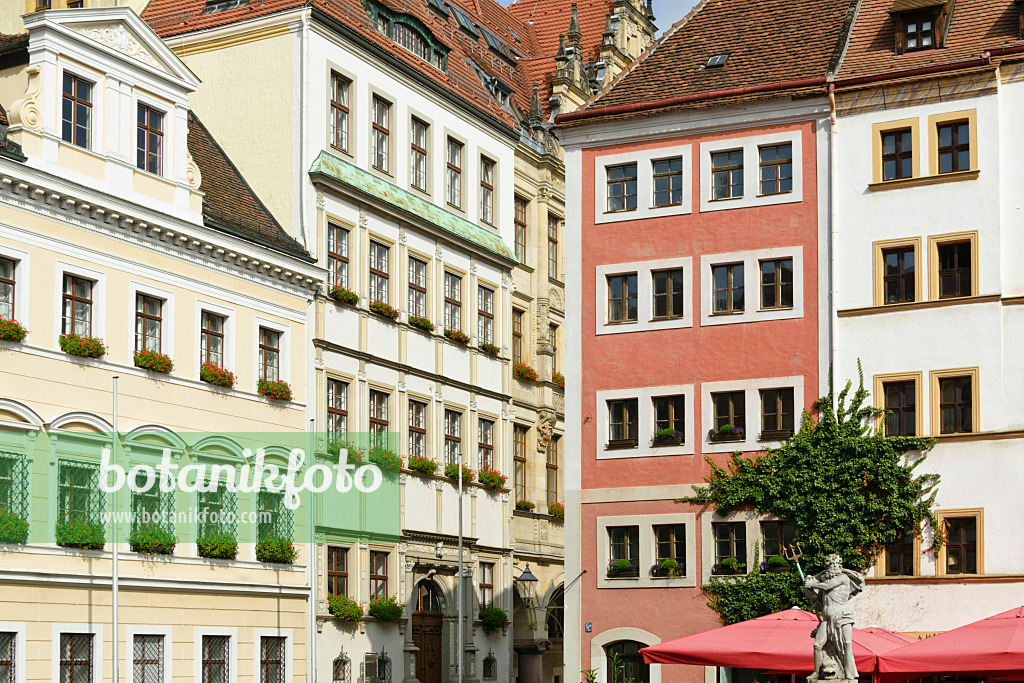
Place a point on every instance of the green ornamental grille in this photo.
(152, 507)
(79, 496)
(218, 512)
(14, 490)
(274, 519)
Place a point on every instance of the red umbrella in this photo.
(992, 647)
(897, 638)
(779, 642)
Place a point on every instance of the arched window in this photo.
(342, 669)
(428, 597)
(631, 664)
(490, 667)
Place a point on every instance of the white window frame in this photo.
(645, 422)
(99, 298)
(232, 635)
(97, 648)
(751, 389)
(751, 170)
(97, 125)
(284, 339)
(644, 161)
(167, 330)
(167, 110)
(752, 525)
(258, 635)
(648, 550)
(133, 630)
(18, 629)
(752, 311)
(22, 280)
(644, 296)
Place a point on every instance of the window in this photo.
(670, 544)
(622, 188)
(553, 246)
(337, 407)
(452, 301)
(339, 111)
(485, 443)
(485, 315)
(955, 405)
(622, 306)
(148, 323)
(728, 288)
(452, 436)
(954, 269)
(901, 408)
(519, 461)
(727, 174)
(76, 657)
(337, 255)
(378, 574)
(553, 340)
(776, 413)
(270, 355)
(274, 520)
(670, 413)
(627, 653)
(624, 544)
(6, 289)
(417, 428)
(419, 155)
(76, 111)
(730, 541)
(520, 223)
(897, 154)
(417, 288)
(149, 140)
(380, 256)
(148, 659)
(215, 659)
(211, 339)
(218, 507)
(381, 134)
(77, 318)
(961, 547)
(411, 41)
(899, 277)
(453, 177)
(776, 169)
(378, 418)
(552, 470)
(777, 283)
(899, 557)
(486, 583)
(272, 659)
(777, 537)
(486, 190)
(78, 498)
(8, 671)
(919, 31)
(668, 182)
(954, 147)
(383, 24)
(337, 570)
(730, 409)
(622, 423)
(668, 293)
(517, 335)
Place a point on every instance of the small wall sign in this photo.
(589, 627)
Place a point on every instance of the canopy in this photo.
(779, 642)
(992, 647)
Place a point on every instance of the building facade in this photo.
(130, 247)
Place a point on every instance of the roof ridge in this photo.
(843, 40)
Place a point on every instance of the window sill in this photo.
(346, 152)
(775, 435)
(665, 206)
(616, 323)
(620, 445)
(724, 199)
(615, 213)
(924, 180)
(667, 318)
(726, 313)
(773, 309)
(915, 305)
(774, 194)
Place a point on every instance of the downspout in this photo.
(833, 145)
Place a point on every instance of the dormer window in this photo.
(383, 24)
(716, 61)
(919, 32)
(919, 24)
(76, 114)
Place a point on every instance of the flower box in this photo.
(13, 528)
(153, 361)
(456, 335)
(346, 609)
(729, 568)
(275, 389)
(492, 479)
(384, 310)
(83, 347)
(80, 535)
(775, 564)
(556, 510)
(12, 331)
(492, 619)
(667, 437)
(492, 349)
(151, 539)
(451, 470)
(727, 433)
(623, 569)
(667, 568)
(775, 435)
(344, 295)
(217, 547)
(524, 372)
(417, 463)
(524, 506)
(386, 610)
(387, 460)
(559, 379)
(616, 444)
(211, 373)
(422, 323)
(276, 550)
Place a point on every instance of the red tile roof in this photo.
(178, 17)
(229, 203)
(975, 26)
(767, 42)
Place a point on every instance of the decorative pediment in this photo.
(118, 38)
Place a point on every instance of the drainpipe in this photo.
(833, 145)
(114, 601)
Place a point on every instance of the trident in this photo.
(793, 554)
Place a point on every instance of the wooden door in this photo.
(426, 635)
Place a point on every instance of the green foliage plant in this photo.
(418, 463)
(278, 550)
(451, 470)
(387, 460)
(344, 608)
(492, 618)
(217, 546)
(386, 610)
(152, 539)
(73, 533)
(13, 528)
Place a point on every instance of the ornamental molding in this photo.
(192, 173)
(25, 112)
(119, 39)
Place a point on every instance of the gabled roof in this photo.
(180, 17)
(975, 26)
(229, 203)
(767, 42)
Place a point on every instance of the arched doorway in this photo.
(426, 632)
(631, 662)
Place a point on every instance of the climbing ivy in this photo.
(848, 489)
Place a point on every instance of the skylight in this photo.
(717, 60)
(465, 21)
(439, 6)
(494, 41)
(514, 36)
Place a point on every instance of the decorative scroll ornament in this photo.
(192, 173)
(25, 112)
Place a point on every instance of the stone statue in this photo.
(830, 593)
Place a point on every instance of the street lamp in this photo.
(529, 584)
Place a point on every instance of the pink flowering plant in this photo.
(492, 479)
(344, 295)
(524, 371)
(387, 460)
(211, 373)
(422, 323)
(456, 335)
(355, 453)
(451, 470)
(385, 609)
(275, 389)
(558, 378)
(556, 510)
(490, 348)
(383, 309)
(417, 463)
(82, 346)
(12, 330)
(153, 361)
(344, 608)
